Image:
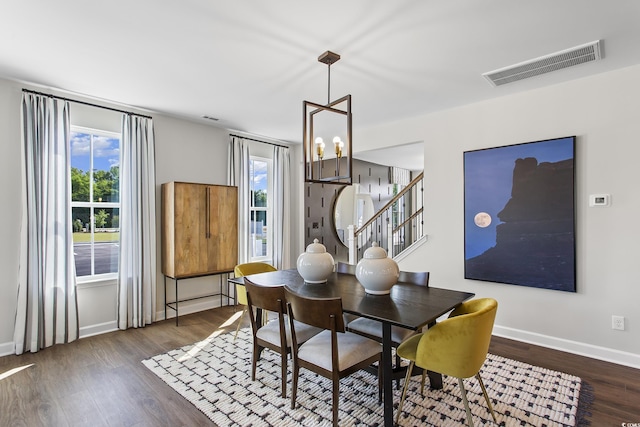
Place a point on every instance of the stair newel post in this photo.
(353, 250)
(390, 248)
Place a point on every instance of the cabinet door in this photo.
(190, 229)
(222, 244)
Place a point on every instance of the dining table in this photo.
(407, 305)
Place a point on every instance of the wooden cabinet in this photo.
(199, 229)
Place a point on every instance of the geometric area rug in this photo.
(215, 376)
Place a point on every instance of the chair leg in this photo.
(294, 383)
(380, 382)
(404, 390)
(240, 321)
(283, 373)
(424, 376)
(486, 397)
(466, 402)
(336, 400)
(254, 360)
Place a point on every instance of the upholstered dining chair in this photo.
(343, 267)
(455, 347)
(246, 269)
(333, 353)
(276, 334)
(371, 328)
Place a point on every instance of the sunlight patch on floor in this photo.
(201, 344)
(14, 371)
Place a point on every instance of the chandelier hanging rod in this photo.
(329, 58)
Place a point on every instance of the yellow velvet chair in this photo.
(241, 292)
(456, 347)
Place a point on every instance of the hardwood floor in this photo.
(99, 381)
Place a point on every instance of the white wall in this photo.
(602, 111)
(185, 151)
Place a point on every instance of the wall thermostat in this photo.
(599, 200)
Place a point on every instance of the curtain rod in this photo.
(257, 140)
(85, 103)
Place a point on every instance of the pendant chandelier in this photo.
(327, 135)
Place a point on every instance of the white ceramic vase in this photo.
(316, 264)
(376, 272)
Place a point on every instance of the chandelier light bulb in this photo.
(338, 145)
(320, 147)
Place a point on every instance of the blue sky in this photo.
(106, 151)
(259, 175)
(488, 180)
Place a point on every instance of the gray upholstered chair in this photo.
(333, 353)
(275, 334)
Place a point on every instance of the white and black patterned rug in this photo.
(215, 376)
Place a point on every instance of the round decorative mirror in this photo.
(352, 207)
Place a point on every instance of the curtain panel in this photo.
(137, 265)
(239, 163)
(281, 208)
(47, 308)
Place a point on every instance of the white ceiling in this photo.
(250, 63)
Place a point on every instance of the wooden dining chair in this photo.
(343, 267)
(246, 269)
(455, 347)
(276, 334)
(333, 353)
(373, 329)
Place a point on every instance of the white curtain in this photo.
(239, 162)
(47, 309)
(137, 267)
(281, 208)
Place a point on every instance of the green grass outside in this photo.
(97, 237)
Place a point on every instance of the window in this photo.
(95, 201)
(260, 235)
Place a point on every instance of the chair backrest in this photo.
(343, 267)
(325, 313)
(252, 268)
(246, 269)
(416, 278)
(458, 346)
(266, 297)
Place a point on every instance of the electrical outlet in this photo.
(617, 322)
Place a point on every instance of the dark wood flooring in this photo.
(99, 381)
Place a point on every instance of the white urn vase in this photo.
(376, 272)
(316, 264)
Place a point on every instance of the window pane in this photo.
(258, 238)
(82, 240)
(80, 166)
(106, 239)
(259, 183)
(106, 169)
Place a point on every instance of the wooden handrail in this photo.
(391, 202)
(415, 214)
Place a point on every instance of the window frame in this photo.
(268, 257)
(93, 206)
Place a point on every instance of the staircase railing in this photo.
(395, 227)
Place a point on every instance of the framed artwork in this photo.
(519, 214)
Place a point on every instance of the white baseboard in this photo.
(582, 349)
(101, 328)
(7, 348)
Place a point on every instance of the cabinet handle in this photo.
(208, 214)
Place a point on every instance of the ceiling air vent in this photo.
(556, 61)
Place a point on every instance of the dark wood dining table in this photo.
(408, 306)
